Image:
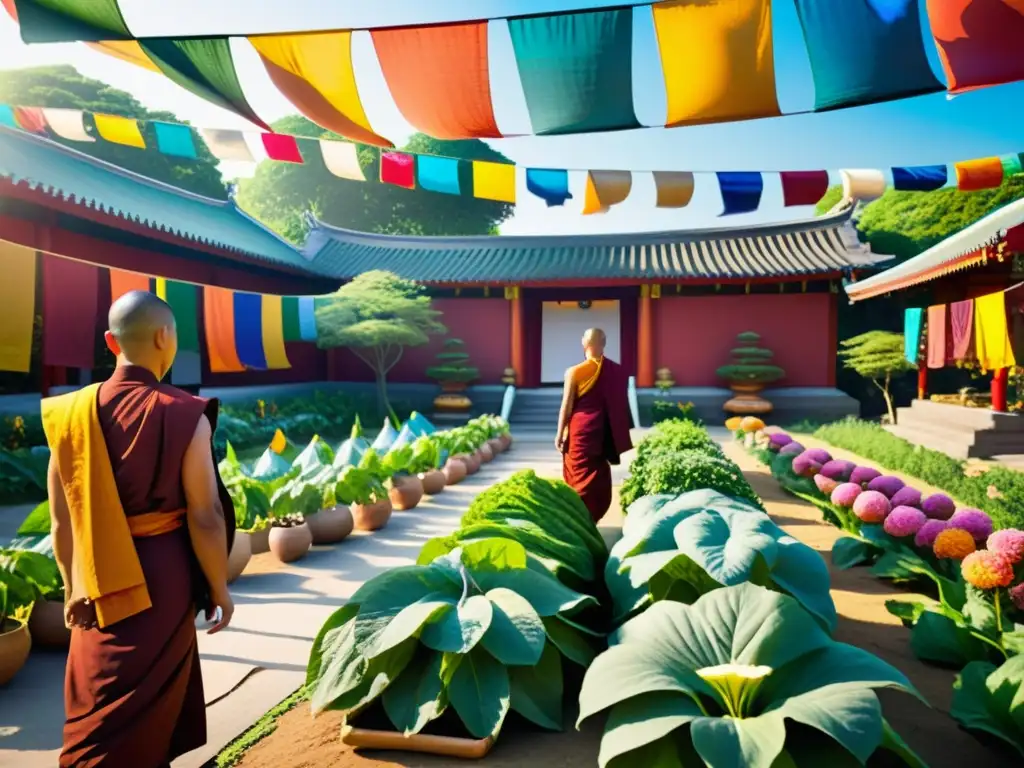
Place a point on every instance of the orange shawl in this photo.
(585, 375)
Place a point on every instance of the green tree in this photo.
(280, 193)
(63, 87)
(877, 356)
(377, 315)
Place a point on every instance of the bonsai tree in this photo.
(377, 315)
(751, 363)
(451, 364)
(877, 356)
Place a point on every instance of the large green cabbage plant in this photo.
(990, 699)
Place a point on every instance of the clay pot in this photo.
(486, 452)
(241, 553)
(454, 471)
(406, 492)
(497, 445)
(15, 644)
(46, 625)
(506, 440)
(372, 517)
(290, 544)
(472, 462)
(329, 526)
(433, 481)
(259, 541)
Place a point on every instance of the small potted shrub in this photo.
(405, 489)
(331, 524)
(426, 455)
(17, 594)
(39, 572)
(748, 373)
(453, 373)
(299, 498)
(366, 496)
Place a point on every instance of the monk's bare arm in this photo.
(60, 526)
(568, 398)
(206, 517)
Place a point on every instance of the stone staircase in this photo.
(536, 410)
(963, 433)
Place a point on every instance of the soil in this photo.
(302, 742)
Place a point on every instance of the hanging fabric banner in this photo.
(938, 337)
(494, 181)
(961, 326)
(227, 144)
(219, 325)
(674, 188)
(174, 139)
(290, 318)
(184, 301)
(865, 51)
(549, 184)
(919, 178)
(31, 119)
(862, 184)
(991, 333)
(576, 70)
(438, 174)
(975, 175)
(68, 124)
(187, 370)
(281, 147)
(120, 130)
(7, 116)
(125, 50)
(397, 168)
(803, 187)
(342, 160)
(979, 41)
(741, 191)
(249, 330)
(46, 21)
(912, 319)
(439, 78)
(1012, 165)
(307, 318)
(717, 59)
(70, 312)
(605, 189)
(122, 282)
(18, 298)
(314, 72)
(272, 322)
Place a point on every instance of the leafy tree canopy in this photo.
(877, 356)
(63, 87)
(280, 193)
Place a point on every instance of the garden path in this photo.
(261, 658)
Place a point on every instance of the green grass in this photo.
(233, 753)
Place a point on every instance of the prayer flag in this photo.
(974, 175)
(397, 168)
(227, 145)
(290, 318)
(1012, 165)
(439, 78)
(980, 41)
(68, 124)
(919, 178)
(122, 282)
(125, 50)
(961, 326)
(605, 189)
(494, 181)
(31, 119)
(307, 318)
(803, 187)
(279, 442)
(438, 174)
(46, 21)
(70, 312)
(18, 298)
(119, 130)
(674, 188)
(862, 183)
(7, 116)
(174, 139)
(576, 70)
(717, 60)
(219, 324)
(992, 333)
(314, 72)
(249, 330)
(273, 333)
(185, 304)
(741, 191)
(549, 184)
(342, 159)
(187, 369)
(912, 319)
(938, 337)
(281, 147)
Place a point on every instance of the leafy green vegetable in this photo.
(991, 699)
(426, 455)
(358, 486)
(25, 577)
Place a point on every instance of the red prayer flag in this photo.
(30, 119)
(11, 8)
(398, 168)
(979, 41)
(70, 312)
(281, 147)
(803, 187)
(974, 175)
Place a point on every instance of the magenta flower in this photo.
(805, 465)
(820, 455)
(887, 485)
(907, 497)
(974, 521)
(845, 494)
(938, 506)
(791, 449)
(864, 475)
(926, 534)
(778, 440)
(1017, 595)
(871, 507)
(837, 469)
(904, 521)
(1009, 542)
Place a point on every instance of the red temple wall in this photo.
(693, 335)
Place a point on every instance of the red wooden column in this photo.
(518, 331)
(999, 382)
(922, 380)
(645, 340)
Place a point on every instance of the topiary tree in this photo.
(877, 356)
(452, 364)
(750, 362)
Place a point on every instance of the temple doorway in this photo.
(562, 326)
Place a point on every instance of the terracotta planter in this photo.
(46, 625)
(406, 492)
(497, 445)
(15, 644)
(241, 553)
(433, 481)
(444, 746)
(329, 526)
(372, 517)
(290, 544)
(259, 541)
(454, 471)
(472, 462)
(486, 452)
(747, 402)
(507, 440)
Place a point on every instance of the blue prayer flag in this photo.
(741, 191)
(249, 330)
(173, 139)
(438, 174)
(549, 184)
(7, 117)
(912, 321)
(307, 318)
(919, 178)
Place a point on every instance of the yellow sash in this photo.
(585, 375)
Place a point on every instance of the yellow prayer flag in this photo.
(126, 50)
(605, 189)
(161, 288)
(991, 332)
(273, 333)
(120, 130)
(279, 442)
(675, 188)
(494, 181)
(18, 298)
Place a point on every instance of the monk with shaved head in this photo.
(141, 530)
(593, 424)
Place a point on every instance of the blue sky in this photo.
(924, 130)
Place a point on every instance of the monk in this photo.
(142, 526)
(593, 424)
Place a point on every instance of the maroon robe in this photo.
(598, 436)
(133, 691)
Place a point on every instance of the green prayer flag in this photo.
(65, 21)
(184, 301)
(290, 317)
(1012, 164)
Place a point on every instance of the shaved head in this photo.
(142, 331)
(595, 338)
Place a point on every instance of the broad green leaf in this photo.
(938, 639)
(848, 552)
(851, 716)
(493, 555)
(516, 634)
(377, 677)
(458, 631)
(908, 611)
(904, 564)
(979, 612)
(341, 669)
(414, 699)
(801, 572)
(545, 593)
(409, 621)
(643, 720)
(681, 580)
(536, 691)
(433, 549)
(894, 743)
(322, 644)
(1006, 686)
(572, 643)
(663, 753)
(479, 693)
(752, 742)
(725, 543)
(976, 708)
(396, 588)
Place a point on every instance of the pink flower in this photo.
(1009, 542)
(871, 507)
(985, 569)
(904, 521)
(925, 537)
(1017, 595)
(974, 521)
(825, 484)
(845, 494)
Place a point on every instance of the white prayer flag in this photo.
(67, 123)
(342, 159)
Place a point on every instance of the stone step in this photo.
(969, 418)
(956, 448)
(956, 441)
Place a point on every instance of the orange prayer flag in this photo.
(605, 189)
(219, 323)
(122, 282)
(974, 175)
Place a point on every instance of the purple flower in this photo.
(1009, 542)
(887, 485)
(777, 441)
(904, 521)
(938, 506)
(845, 494)
(926, 534)
(871, 507)
(907, 497)
(864, 475)
(791, 449)
(805, 465)
(837, 469)
(820, 455)
(974, 521)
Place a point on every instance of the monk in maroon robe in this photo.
(142, 527)
(593, 424)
